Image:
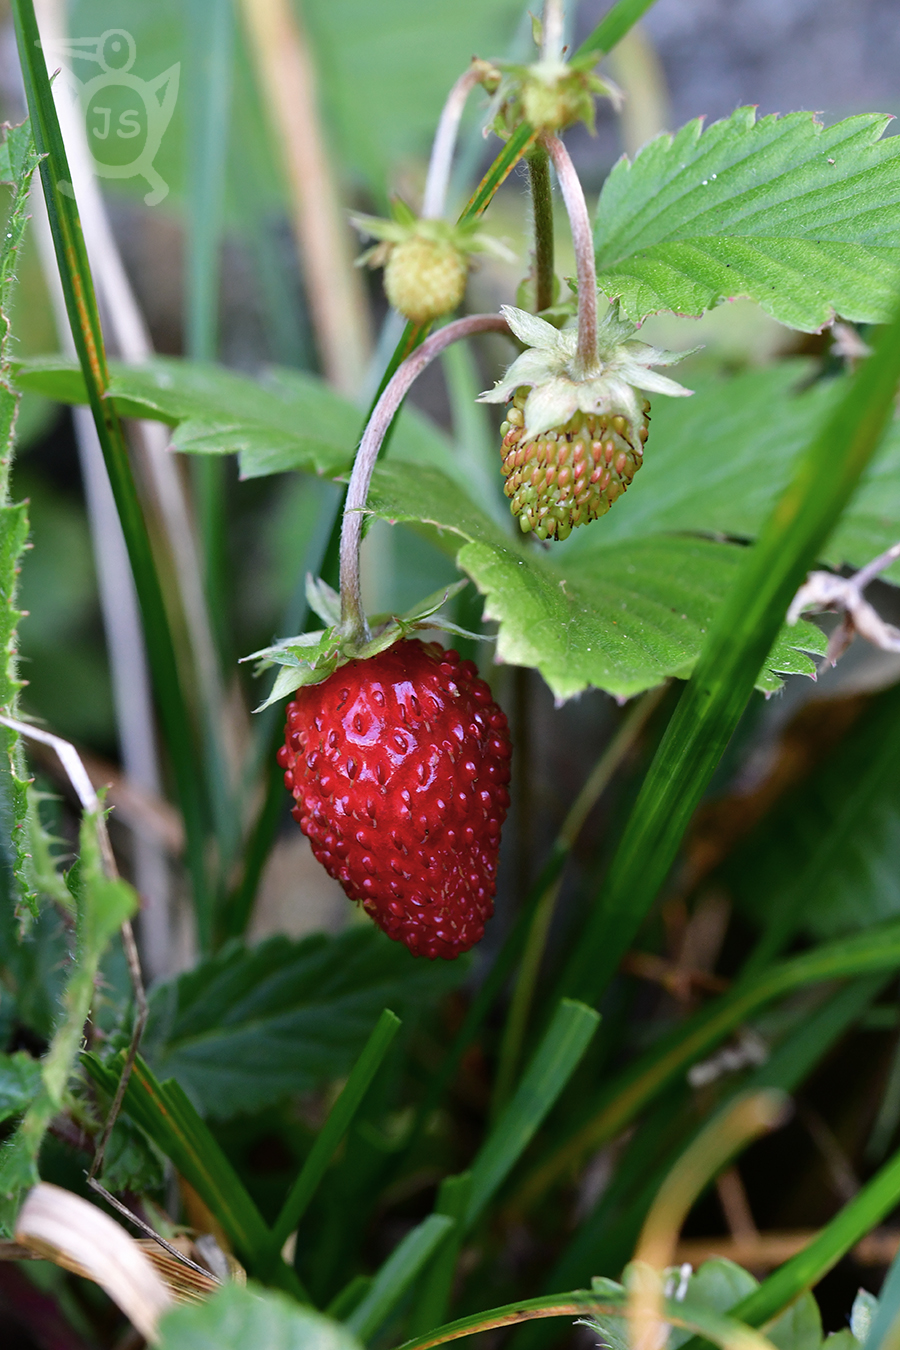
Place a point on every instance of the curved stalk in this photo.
(580, 223)
(353, 619)
(441, 162)
(725, 1135)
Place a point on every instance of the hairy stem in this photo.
(441, 162)
(579, 221)
(542, 210)
(353, 620)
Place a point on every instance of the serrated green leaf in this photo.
(248, 1026)
(804, 219)
(284, 420)
(829, 852)
(622, 620)
(20, 1078)
(237, 1317)
(130, 1162)
(18, 157)
(716, 463)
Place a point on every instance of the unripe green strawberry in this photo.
(572, 474)
(425, 261)
(425, 278)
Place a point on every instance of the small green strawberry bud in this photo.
(425, 278)
(425, 262)
(551, 95)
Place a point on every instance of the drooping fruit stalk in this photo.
(575, 428)
(395, 752)
(353, 620)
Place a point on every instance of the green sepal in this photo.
(551, 94)
(466, 236)
(309, 658)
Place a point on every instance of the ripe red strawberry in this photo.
(400, 765)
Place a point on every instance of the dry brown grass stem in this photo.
(748, 1117)
(333, 286)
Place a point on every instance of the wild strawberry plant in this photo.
(437, 1125)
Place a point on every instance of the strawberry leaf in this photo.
(716, 463)
(250, 1025)
(804, 219)
(284, 420)
(623, 620)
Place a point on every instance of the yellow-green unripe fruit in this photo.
(566, 477)
(425, 278)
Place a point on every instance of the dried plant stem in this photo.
(582, 238)
(746, 1119)
(333, 285)
(441, 162)
(150, 1232)
(353, 619)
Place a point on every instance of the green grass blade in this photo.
(235, 914)
(335, 1127)
(739, 641)
(613, 27)
(518, 144)
(627, 1095)
(210, 32)
(554, 1062)
(348, 1298)
(606, 1237)
(577, 1303)
(85, 321)
(434, 1296)
(165, 1114)
(397, 1274)
(867, 1209)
